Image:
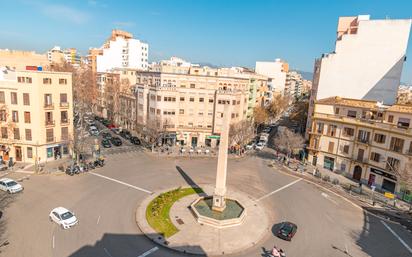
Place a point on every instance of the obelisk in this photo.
(219, 201)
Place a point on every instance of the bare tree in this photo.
(287, 141)
(241, 133)
(405, 178)
(260, 116)
(84, 99)
(277, 107)
(299, 114)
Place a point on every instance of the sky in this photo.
(223, 33)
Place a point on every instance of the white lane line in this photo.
(279, 189)
(398, 237)
(154, 249)
(328, 197)
(107, 252)
(98, 219)
(53, 241)
(121, 182)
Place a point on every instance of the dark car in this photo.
(116, 141)
(125, 134)
(106, 143)
(106, 135)
(287, 230)
(135, 140)
(106, 122)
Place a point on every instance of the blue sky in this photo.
(224, 33)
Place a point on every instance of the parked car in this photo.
(287, 231)
(106, 135)
(111, 126)
(125, 134)
(106, 122)
(10, 186)
(259, 146)
(135, 140)
(94, 132)
(115, 130)
(266, 130)
(250, 146)
(63, 217)
(116, 141)
(106, 143)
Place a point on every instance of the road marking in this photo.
(328, 197)
(121, 182)
(398, 237)
(98, 219)
(107, 252)
(154, 249)
(279, 189)
(53, 241)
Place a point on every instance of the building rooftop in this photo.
(336, 100)
(403, 108)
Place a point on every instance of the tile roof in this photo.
(336, 100)
(401, 108)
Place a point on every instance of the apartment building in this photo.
(36, 115)
(365, 140)
(121, 50)
(276, 72)
(58, 55)
(19, 60)
(404, 94)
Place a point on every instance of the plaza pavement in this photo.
(105, 204)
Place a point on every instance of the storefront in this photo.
(328, 163)
(386, 180)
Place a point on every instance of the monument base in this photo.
(219, 203)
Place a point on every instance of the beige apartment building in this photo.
(365, 140)
(19, 60)
(36, 115)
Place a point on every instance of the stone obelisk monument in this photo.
(219, 202)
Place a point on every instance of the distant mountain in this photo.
(207, 64)
(306, 74)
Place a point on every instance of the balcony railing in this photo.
(49, 106)
(49, 123)
(64, 105)
(65, 121)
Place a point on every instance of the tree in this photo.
(287, 141)
(84, 99)
(405, 178)
(260, 116)
(277, 107)
(299, 114)
(241, 133)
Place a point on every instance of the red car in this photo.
(110, 126)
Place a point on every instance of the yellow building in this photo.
(36, 115)
(19, 60)
(364, 140)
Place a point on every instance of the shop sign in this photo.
(384, 174)
(213, 137)
(389, 195)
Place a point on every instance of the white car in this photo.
(260, 146)
(250, 146)
(63, 217)
(10, 186)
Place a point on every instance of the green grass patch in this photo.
(157, 212)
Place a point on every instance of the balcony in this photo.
(49, 106)
(65, 122)
(64, 105)
(49, 123)
(365, 141)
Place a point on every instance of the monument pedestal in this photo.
(219, 203)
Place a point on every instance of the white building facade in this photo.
(276, 72)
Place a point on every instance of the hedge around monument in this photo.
(157, 212)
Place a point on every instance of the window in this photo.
(2, 98)
(352, 114)
(201, 99)
(47, 100)
(191, 99)
(375, 157)
(379, 138)
(13, 96)
(390, 118)
(192, 85)
(181, 111)
(15, 116)
(345, 149)
(16, 133)
(332, 130)
(169, 99)
(319, 128)
(200, 113)
(28, 134)
(27, 118)
(152, 110)
(63, 98)
(403, 122)
(158, 111)
(210, 100)
(49, 118)
(182, 99)
(337, 110)
(152, 97)
(62, 81)
(24, 80)
(29, 152)
(65, 133)
(331, 146)
(159, 98)
(3, 115)
(64, 118)
(49, 135)
(396, 144)
(4, 132)
(47, 81)
(363, 136)
(392, 164)
(233, 102)
(349, 132)
(26, 99)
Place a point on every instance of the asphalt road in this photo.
(105, 205)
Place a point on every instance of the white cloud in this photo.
(124, 23)
(64, 12)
